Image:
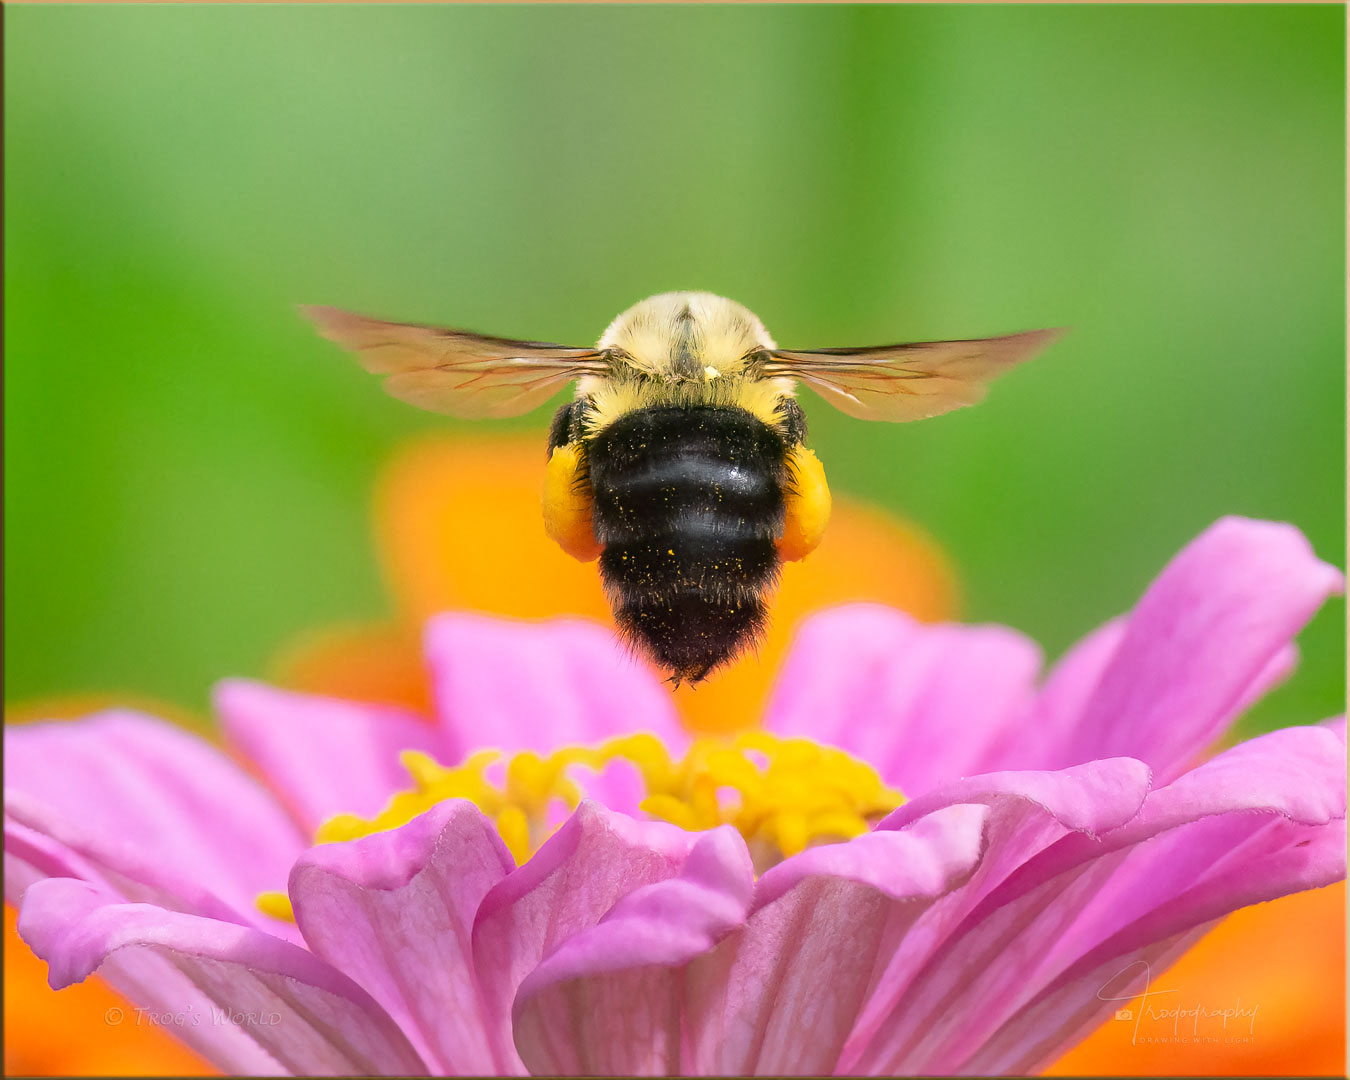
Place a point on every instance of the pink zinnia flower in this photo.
(1054, 838)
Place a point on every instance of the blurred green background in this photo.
(188, 468)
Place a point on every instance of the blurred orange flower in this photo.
(458, 526)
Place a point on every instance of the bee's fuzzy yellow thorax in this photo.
(692, 336)
(761, 398)
(683, 348)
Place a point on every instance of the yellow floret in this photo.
(276, 904)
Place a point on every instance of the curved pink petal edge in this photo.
(299, 1011)
(31, 855)
(1291, 861)
(1028, 812)
(604, 1001)
(153, 809)
(594, 860)
(51, 846)
(394, 911)
(710, 972)
(1210, 635)
(782, 996)
(1252, 824)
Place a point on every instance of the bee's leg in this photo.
(794, 422)
(567, 498)
(807, 501)
(566, 425)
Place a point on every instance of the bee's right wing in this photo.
(907, 382)
(453, 371)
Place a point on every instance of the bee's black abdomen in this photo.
(688, 501)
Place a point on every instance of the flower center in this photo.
(782, 795)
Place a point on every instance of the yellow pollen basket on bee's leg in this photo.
(807, 502)
(782, 794)
(567, 504)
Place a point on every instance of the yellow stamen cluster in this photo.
(782, 795)
(518, 806)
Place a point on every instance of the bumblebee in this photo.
(681, 462)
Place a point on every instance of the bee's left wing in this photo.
(907, 382)
(453, 371)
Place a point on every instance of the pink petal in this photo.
(1028, 812)
(308, 1018)
(608, 1001)
(1050, 738)
(1067, 899)
(781, 996)
(592, 862)
(1275, 671)
(154, 804)
(394, 911)
(1288, 859)
(921, 703)
(1209, 635)
(541, 685)
(150, 978)
(1045, 739)
(619, 785)
(1194, 826)
(1092, 798)
(324, 756)
(31, 856)
(68, 850)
